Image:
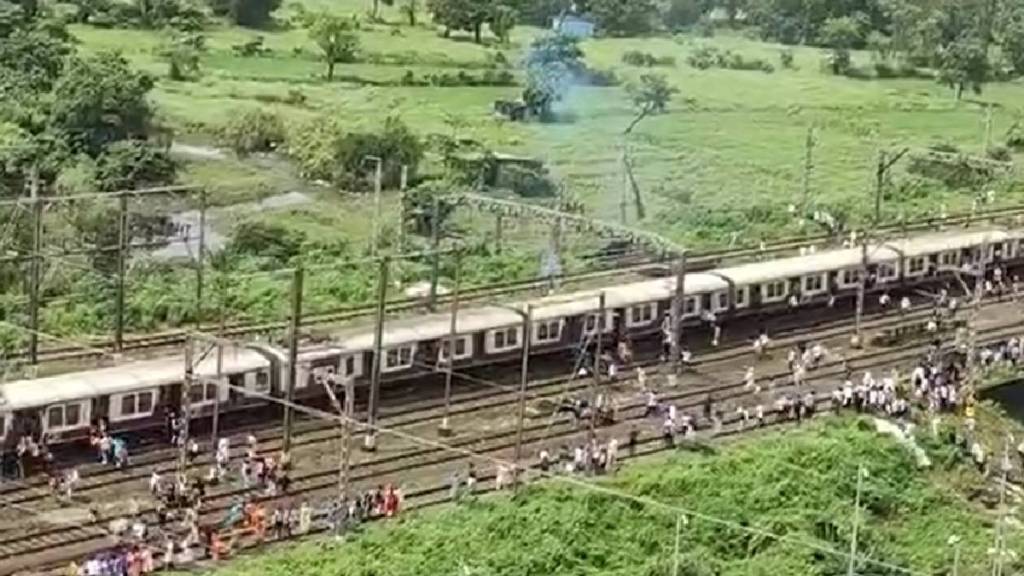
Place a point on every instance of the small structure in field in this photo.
(574, 25)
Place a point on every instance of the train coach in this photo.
(133, 396)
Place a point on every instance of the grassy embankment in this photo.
(798, 484)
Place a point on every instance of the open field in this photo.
(728, 160)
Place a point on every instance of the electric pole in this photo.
(377, 176)
(676, 313)
(885, 162)
(449, 358)
(36, 266)
(293, 356)
(808, 167)
(122, 248)
(200, 258)
(435, 251)
(370, 441)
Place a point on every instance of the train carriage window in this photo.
(128, 404)
(773, 291)
(398, 358)
(741, 296)
(721, 301)
(462, 349)
(349, 366)
(502, 339)
(948, 258)
(690, 306)
(849, 277)
(641, 314)
(547, 331)
(887, 272)
(3, 426)
(63, 416)
(813, 284)
(132, 405)
(202, 393)
(916, 266)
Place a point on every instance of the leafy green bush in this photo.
(132, 164)
(252, 130)
(706, 57)
(639, 58)
(325, 151)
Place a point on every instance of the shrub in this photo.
(787, 59)
(323, 150)
(250, 48)
(253, 130)
(638, 58)
(705, 57)
(528, 183)
(131, 164)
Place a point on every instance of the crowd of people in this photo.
(934, 386)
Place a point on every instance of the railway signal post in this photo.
(370, 441)
(293, 356)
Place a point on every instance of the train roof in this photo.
(480, 318)
(143, 375)
(934, 243)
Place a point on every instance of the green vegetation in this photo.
(799, 485)
(301, 90)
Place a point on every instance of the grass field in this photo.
(729, 162)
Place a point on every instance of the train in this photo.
(135, 395)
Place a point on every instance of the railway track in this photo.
(412, 409)
(696, 262)
(418, 462)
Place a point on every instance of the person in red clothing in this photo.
(390, 501)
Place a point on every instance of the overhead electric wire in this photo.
(643, 500)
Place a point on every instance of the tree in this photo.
(650, 96)
(964, 64)
(618, 18)
(841, 35)
(409, 9)
(468, 15)
(502, 21)
(1012, 44)
(684, 13)
(336, 37)
(182, 53)
(552, 64)
(253, 13)
(100, 100)
(375, 8)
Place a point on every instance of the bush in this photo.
(638, 58)
(705, 57)
(324, 151)
(787, 59)
(274, 242)
(132, 164)
(528, 183)
(250, 48)
(253, 130)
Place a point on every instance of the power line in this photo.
(643, 500)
